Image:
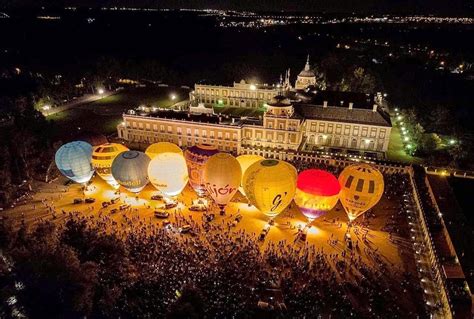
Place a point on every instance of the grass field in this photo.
(396, 150)
(103, 116)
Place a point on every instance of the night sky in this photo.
(444, 7)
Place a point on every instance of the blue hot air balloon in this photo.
(130, 169)
(74, 161)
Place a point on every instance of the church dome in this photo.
(307, 72)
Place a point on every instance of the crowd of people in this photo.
(145, 269)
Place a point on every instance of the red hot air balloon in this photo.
(317, 192)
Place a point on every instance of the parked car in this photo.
(156, 197)
(161, 214)
(210, 217)
(185, 229)
(105, 204)
(114, 200)
(77, 201)
(124, 206)
(197, 208)
(90, 200)
(171, 205)
(114, 210)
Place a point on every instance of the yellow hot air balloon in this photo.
(245, 161)
(162, 147)
(361, 189)
(168, 173)
(102, 159)
(222, 175)
(270, 185)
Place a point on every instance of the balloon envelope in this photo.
(270, 185)
(74, 161)
(196, 157)
(168, 173)
(245, 161)
(362, 187)
(102, 159)
(162, 147)
(130, 170)
(317, 192)
(222, 175)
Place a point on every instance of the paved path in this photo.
(87, 98)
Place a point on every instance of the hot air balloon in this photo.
(270, 185)
(222, 176)
(361, 188)
(130, 170)
(317, 192)
(162, 147)
(168, 173)
(245, 161)
(196, 157)
(102, 159)
(74, 161)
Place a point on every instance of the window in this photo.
(212, 134)
(330, 127)
(364, 131)
(147, 126)
(227, 136)
(155, 127)
(338, 128)
(204, 133)
(280, 126)
(382, 133)
(373, 132)
(188, 131)
(355, 131)
(347, 130)
(196, 132)
(321, 127)
(170, 129)
(180, 131)
(162, 128)
(234, 136)
(313, 127)
(219, 135)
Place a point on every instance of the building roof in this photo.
(307, 72)
(344, 114)
(336, 98)
(279, 101)
(186, 116)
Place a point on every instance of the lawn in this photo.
(396, 150)
(104, 115)
(238, 111)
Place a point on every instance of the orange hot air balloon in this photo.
(362, 187)
(270, 185)
(196, 157)
(222, 175)
(102, 159)
(162, 147)
(317, 192)
(245, 161)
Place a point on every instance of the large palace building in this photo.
(292, 120)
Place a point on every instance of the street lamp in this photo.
(100, 91)
(452, 141)
(173, 97)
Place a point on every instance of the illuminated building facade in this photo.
(241, 94)
(294, 122)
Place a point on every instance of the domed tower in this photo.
(279, 106)
(306, 77)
